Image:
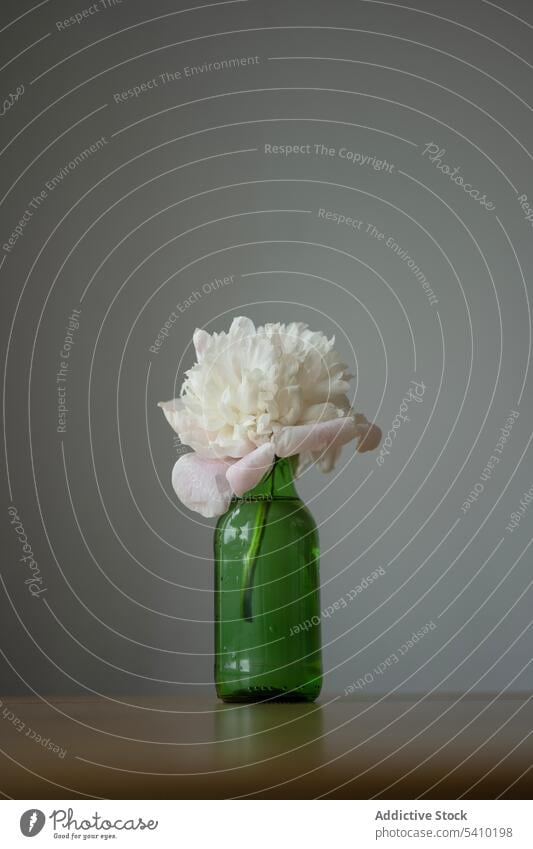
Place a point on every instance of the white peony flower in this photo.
(249, 383)
(278, 389)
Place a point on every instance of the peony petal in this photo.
(314, 437)
(201, 340)
(242, 326)
(202, 484)
(247, 472)
(369, 436)
(172, 409)
(318, 413)
(326, 459)
(185, 425)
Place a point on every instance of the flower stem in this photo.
(250, 559)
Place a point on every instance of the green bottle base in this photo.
(265, 694)
(247, 699)
(244, 692)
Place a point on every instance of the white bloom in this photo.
(250, 383)
(254, 394)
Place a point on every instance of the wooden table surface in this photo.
(443, 747)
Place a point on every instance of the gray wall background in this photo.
(181, 193)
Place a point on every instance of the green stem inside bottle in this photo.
(251, 559)
(278, 478)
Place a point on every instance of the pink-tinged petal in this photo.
(314, 437)
(327, 459)
(202, 485)
(248, 471)
(368, 434)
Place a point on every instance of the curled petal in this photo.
(202, 484)
(368, 434)
(314, 437)
(248, 471)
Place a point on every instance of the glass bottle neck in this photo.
(277, 483)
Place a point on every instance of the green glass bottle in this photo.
(267, 595)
